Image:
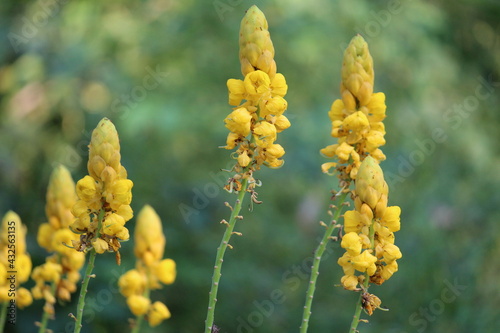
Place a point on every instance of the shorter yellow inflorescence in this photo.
(259, 102)
(58, 276)
(151, 270)
(369, 231)
(105, 192)
(14, 258)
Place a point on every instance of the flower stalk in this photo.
(221, 250)
(318, 254)
(86, 280)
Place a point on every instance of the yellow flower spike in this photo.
(138, 304)
(157, 313)
(254, 132)
(256, 47)
(238, 122)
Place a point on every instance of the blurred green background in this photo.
(66, 64)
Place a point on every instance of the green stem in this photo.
(315, 267)
(212, 299)
(86, 278)
(46, 315)
(359, 304)
(3, 315)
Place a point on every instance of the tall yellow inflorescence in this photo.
(14, 258)
(105, 192)
(259, 102)
(151, 270)
(63, 266)
(357, 116)
(369, 230)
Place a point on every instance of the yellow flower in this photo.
(86, 188)
(349, 282)
(23, 298)
(157, 313)
(352, 243)
(265, 134)
(391, 219)
(365, 262)
(100, 245)
(132, 282)
(138, 304)
(257, 85)
(237, 91)
(281, 123)
(166, 271)
(239, 122)
(278, 85)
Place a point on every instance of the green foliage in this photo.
(90, 59)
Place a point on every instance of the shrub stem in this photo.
(212, 299)
(316, 261)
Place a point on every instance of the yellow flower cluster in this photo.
(13, 257)
(105, 191)
(262, 90)
(369, 230)
(357, 117)
(150, 269)
(62, 268)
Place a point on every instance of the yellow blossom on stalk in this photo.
(14, 258)
(370, 227)
(356, 117)
(106, 191)
(151, 270)
(57, 277)
(259, 103)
